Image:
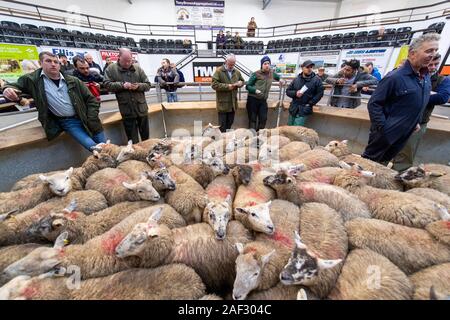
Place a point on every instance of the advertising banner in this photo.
(72, 52)
(114, 56)
(327, 59)
(203, 71)
(445, 69)
(200, 14)
(378, 56)
(285, 64)
(16, 60)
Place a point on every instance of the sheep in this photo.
(433, 195)
(14, 230)
(294, 133)
(242, 155)
(221, 147)
(390, 205)
(80, 227)
(210, 297)
(160, 177)
(255, 192)
(133, 284)
(436, 277)
(114, 185)
(440, 230)
(205, 172)
(214, 133)
(316, 158)
(241, 173)
(260, 262)
(281, 292)
(410, 249)
(367, 275)
(385, 177)
(58, 184)
(427, 176)
(269, 151)
(324, 175)
(347, 204)
(218, 211)
(323, 235)
(96, 257)
(93, 163)
(293, 150)
(194, 245)
(189, 198)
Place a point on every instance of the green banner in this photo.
(16, 60)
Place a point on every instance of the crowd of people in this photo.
(67, 96)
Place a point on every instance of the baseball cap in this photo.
(307, 63)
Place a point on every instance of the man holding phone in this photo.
(129, 82)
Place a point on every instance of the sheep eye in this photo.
(140, 191)
(253, 214)
(255, 274)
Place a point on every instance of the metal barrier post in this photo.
(200, 90)
(280, 103)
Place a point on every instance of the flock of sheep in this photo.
(228, 216)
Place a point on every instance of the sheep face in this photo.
(217, 165)
(281, 178)
(218, 215)
(249, 267)
(415, 176)
(338, 148)
(304, 266)
(268, 153)
(59, 183)
(13, 289)
(144, 189)
(259, 217)
(126, 152)
(104, 160)
(161, 148)
(242, 174)
(212, 131)
(135, 241)
(38, 261)
(48, 227)
(161, 179)
(234, 144)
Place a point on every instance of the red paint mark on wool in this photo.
(117, 180)
(257, 167)
(73, 215)
(250, 204)
(111, 241)
(323, 179)
(255, 195)
(308, 192)
(249, 250)
(447, 224)
(279, 237)
(314, 163)
(30, 291)
(219, 191)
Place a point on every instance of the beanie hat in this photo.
(264, 59)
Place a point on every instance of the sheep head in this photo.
(242, 174)
(38, 261)
(161, 179)
(14, 288)
(234, 144)
(218, 215)
(249, 268)
(258, 217)
(338, 148)
(217, 165)
(52, 225)
(268, 152)
(353, 177)
(103, 160)
(136, 240)
(417, 176)
(59, 183)
(212, 132)
(143, 188)
(126, 152)
(303, 266)
(281, 178)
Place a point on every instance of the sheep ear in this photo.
(443, 212)
(298, 241)
(239, 247)
(69, 171)
(435, 174)
(150, 174)
(344, 165)
(228, 198)
(43, 178)
(155, 216)
(57, 223)
(368, 174)
(95, 154)
(108, 141)
(327, 264)
(295, 170)
(241, 210)
(130, 142)
(72, 206)
(265, 258)
(62, 240)
(344, 142)
(301, 295)
(129, 186)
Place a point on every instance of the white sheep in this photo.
(294, 133)
(205, 171)
(436, 277)
(115, 185)
(293, 150)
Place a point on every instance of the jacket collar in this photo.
(132, 68)
(408, 70)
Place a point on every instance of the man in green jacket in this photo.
(129, 82)
(226, 80)
(258, 87)
(63, 102)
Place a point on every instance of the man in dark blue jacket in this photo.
(397, 105)
(440, 87)
(306, 90)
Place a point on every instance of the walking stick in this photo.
(280, 104)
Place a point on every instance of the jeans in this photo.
(297, 121)
(172, 97)
(75, 128)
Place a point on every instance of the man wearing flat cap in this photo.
(306, 90)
